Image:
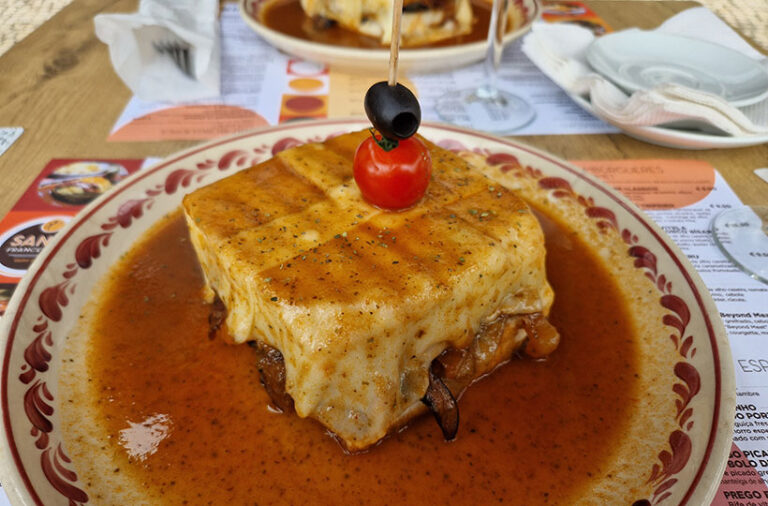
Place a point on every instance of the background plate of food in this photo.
(115, 392)
(79, 183)
(355, 36)
(86, 169)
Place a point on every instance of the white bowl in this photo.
(364, 60)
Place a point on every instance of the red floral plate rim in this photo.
(37, 401)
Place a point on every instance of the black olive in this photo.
(393, 110)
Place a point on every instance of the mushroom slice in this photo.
(441, 403)
(216, 317)
(272, 375)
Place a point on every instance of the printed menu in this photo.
(58, 193)
(283, 88)
(682, 196)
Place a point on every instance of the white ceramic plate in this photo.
(675, 443)
(677, 138)
(640, 60)
(363, 60)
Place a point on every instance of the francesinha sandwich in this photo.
(363, 318)
(423, 21)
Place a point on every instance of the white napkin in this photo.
(153, 76)
(559, 50)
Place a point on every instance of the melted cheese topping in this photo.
(360, 301)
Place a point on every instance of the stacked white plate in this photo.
(637, 60)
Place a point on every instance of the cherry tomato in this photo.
(393, 179)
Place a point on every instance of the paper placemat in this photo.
(282, 88)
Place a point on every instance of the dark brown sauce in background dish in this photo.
(530, 433)
(287, 17)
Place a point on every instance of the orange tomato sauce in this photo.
(533, 432)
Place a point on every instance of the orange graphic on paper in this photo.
(656, 184)
(54, 225)
(347, 92)
(306, 68)
(306, 84)
(192, 122)
(303, 107)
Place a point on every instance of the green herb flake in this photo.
(267, 280)
(473, 211)
(273, 299)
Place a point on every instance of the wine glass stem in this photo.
(495, 47)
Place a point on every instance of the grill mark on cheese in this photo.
(346, 145)
(323, 167)
(492, 212)
(250, 199)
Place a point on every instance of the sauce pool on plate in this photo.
(188, 422)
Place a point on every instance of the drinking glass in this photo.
(741, 233)
(487, 107)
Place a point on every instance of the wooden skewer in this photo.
(394, 48)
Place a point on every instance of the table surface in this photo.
(59, 85)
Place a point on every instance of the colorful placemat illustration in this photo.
(59, 192)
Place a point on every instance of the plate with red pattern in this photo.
(674, 436)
